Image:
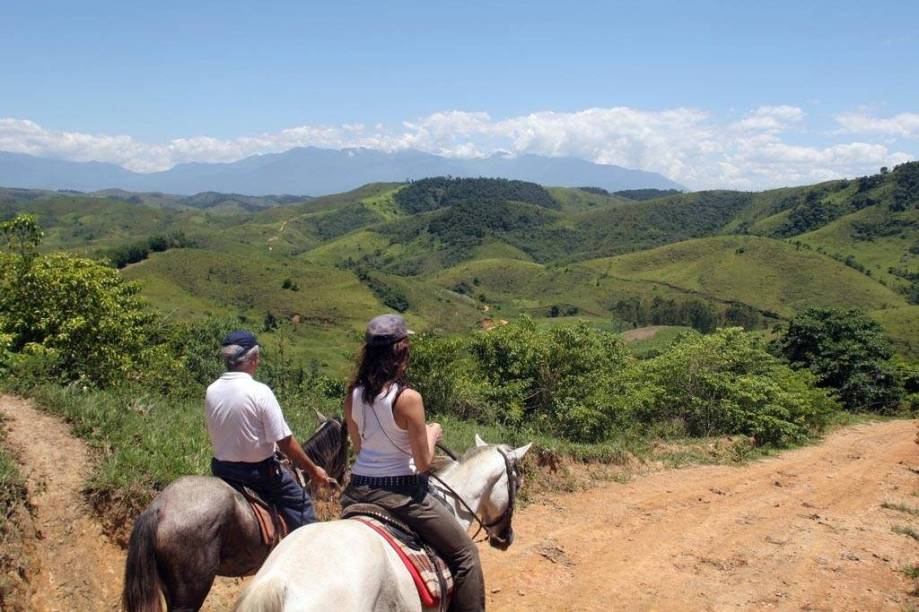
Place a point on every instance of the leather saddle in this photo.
(428, 570)
(271, 523)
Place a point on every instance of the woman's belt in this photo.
(388, 482)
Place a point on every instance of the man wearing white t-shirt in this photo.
(246, 425)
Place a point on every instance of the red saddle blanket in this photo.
(428, 571)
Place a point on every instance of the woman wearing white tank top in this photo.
(395, 448)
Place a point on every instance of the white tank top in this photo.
(385, 447)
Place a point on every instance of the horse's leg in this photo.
(188, 577)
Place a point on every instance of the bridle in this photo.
(504, 520)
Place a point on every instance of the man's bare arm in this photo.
(290, 447)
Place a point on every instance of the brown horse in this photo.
(200, 527)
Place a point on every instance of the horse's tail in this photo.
(142, 586)
(265, 595)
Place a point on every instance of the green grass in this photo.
(575, 200)
(495, 249)
(902, 324)
(514, 287)
(355, 245)
(384, 204)
(15, 561)
(767, 274)
(146, 441)
(320, 318)
(878, 253)
(253, 285)
(12, 485)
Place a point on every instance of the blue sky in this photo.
(824, 88)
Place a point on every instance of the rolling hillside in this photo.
(460, 254)
(768, 274)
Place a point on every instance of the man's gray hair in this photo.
(236, 357)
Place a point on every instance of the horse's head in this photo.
(504, 481)
(328, 446)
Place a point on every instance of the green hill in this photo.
(883, 243)
(768, 274)
(458, 254)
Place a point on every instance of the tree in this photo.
(848, 352)
(23, 234)
(80, 317)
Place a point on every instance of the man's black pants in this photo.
(274, 483)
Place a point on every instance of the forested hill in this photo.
(459, 253)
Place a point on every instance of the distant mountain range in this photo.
(313, 171)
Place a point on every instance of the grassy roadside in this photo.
(15, 559)
(143, 443)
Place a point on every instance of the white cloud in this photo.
(905, 125)
(686, 144)
(770, 118)
(767, 161)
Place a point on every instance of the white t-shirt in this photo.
(244, 418)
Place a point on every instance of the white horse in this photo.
(344, 565)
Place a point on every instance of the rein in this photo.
(508, 513)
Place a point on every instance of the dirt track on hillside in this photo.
(804, 530)
(79, 568)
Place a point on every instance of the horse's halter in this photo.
(498, 538)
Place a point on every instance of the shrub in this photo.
(566, 380)
(728, 383)
(78, 317)
(580, 383)
(440, 370)
(848, 352)
(138, 251)
(66, 318)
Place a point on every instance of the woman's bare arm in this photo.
(353, 431)
(409, 414)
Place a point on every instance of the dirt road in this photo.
(804, 530)
(78, 567)
(801, 530)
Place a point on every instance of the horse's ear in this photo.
(479, 441)
(520, 452)
(321, 417)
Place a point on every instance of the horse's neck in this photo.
(469, 483)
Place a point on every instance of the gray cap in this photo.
(386, 329)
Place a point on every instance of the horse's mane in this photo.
(442, 464)
(328, 447)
